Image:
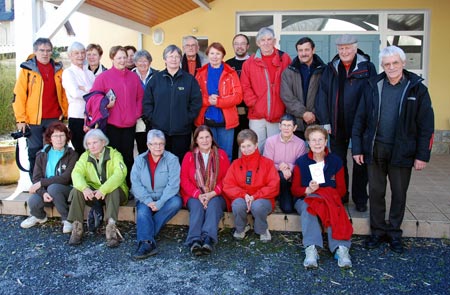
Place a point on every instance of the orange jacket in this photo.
(28, 91)
(230, 95)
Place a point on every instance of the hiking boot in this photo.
(207, 247)
(343, 257)
(67, 227)
(241, 235)
(145, 249)
(32, 221)
(311, 257)
(77, 233)
(265, 237)
(112, 240)
(196, 248)
(95, 217)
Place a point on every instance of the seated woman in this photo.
(318, 183)
(251, 185)
(202, 172)
(283, 149)
(99, 174)
(155, 179)
(51, 177)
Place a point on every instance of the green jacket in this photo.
(85, 174)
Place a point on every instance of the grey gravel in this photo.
(39, 261)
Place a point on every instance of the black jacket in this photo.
(415, 125)
(171, 104)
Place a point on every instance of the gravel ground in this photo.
(39, 261)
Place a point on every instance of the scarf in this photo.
(206, 177)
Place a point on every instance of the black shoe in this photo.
(373, 241)
(361, 208)
(196, 248)
(207, 247)
(145, 249)
(95, 217)
(396, 245)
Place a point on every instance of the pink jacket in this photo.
(127, 86)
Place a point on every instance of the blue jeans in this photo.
(224, 139)
(204, 222)
(260, 209)
(149, 223)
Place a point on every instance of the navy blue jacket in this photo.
(171, 104)
(415, 125)
(326, 104)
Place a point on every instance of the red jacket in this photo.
(265, 182)
(230, 95)
(262, 98)
(189, 188)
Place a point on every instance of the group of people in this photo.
(184, 119)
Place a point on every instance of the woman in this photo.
(251, 186)
(127, 106)
(155, 181)
(221, 92)
(94, 54)
(51, 177)
(202, 172)
(142, 60)
(77, 82)
(318, 183)
(99, 175)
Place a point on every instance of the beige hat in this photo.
(346, 39)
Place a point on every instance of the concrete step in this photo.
(278, 221)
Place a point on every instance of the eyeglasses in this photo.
(240, 44)
(157, 144)
(287, 126)
(58, 136)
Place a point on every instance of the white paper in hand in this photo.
(317, 172)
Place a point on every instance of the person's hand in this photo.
(212, 99)
(309, 117)
(47, 198)
(152, 206)
(88, 194)
(286, 173)
(419, 165)
(21, 126)
(82, 88)
(99, 195)
(359, 159)
(248, 201)
(313, 186)
(110, 104)
(35, 187)
(282, 166)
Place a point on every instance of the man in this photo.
(192, 60)
(241, 44)
(340, 90)
(300, 82)
(39, 97)
(261, 79)
(392, 132)
(172, 100)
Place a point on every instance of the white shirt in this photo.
(72, 78)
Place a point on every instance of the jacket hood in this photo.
(31, 64)
(360, 57)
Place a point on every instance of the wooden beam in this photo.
(203, 4)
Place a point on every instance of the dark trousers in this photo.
(178, 145)
(285, 199)
(122, 139)
(379, 170)
(76, 128)
(339, 146)
(35, 141)
(141, 142)
(243, 124)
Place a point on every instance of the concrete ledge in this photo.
(278, 221)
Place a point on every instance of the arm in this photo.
(269, 151)
(425, 128)
(231, 183)
(224, 165)
(21, 96)
(294, 105)
(139, 98)
(195, 100)
(359, 126)
(148, 101)
(139, 189)
(188, 185)
(321, 102)
(118, 174)
(64, 177)
(79, 174)
(250, 96)
(233, 97)
(70, 84)
(271, 189)
(173, 184)
(297, 189)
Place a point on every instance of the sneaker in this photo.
(67, 227)
(32, 221)
(77, 233)
(95, 217)
(207, 247)
(265, 237)
(343, 257)
(241, 235)
(145, 250)
(196, 248)
(311, 257)
(112, 239)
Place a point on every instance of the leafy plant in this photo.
(7, 81)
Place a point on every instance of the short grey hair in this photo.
(186, 38)
(142, 53)
(155, 133)
(41, 41)
(264, 31)
(171, 48)
(76, 46)
(95, 133)
(391, 51)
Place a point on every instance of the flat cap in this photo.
(346, 39)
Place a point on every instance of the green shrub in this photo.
(7, 81)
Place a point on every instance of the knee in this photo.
(238, 205)
(34, 201)
(174, 203)
(194, 205)
(142, 210)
